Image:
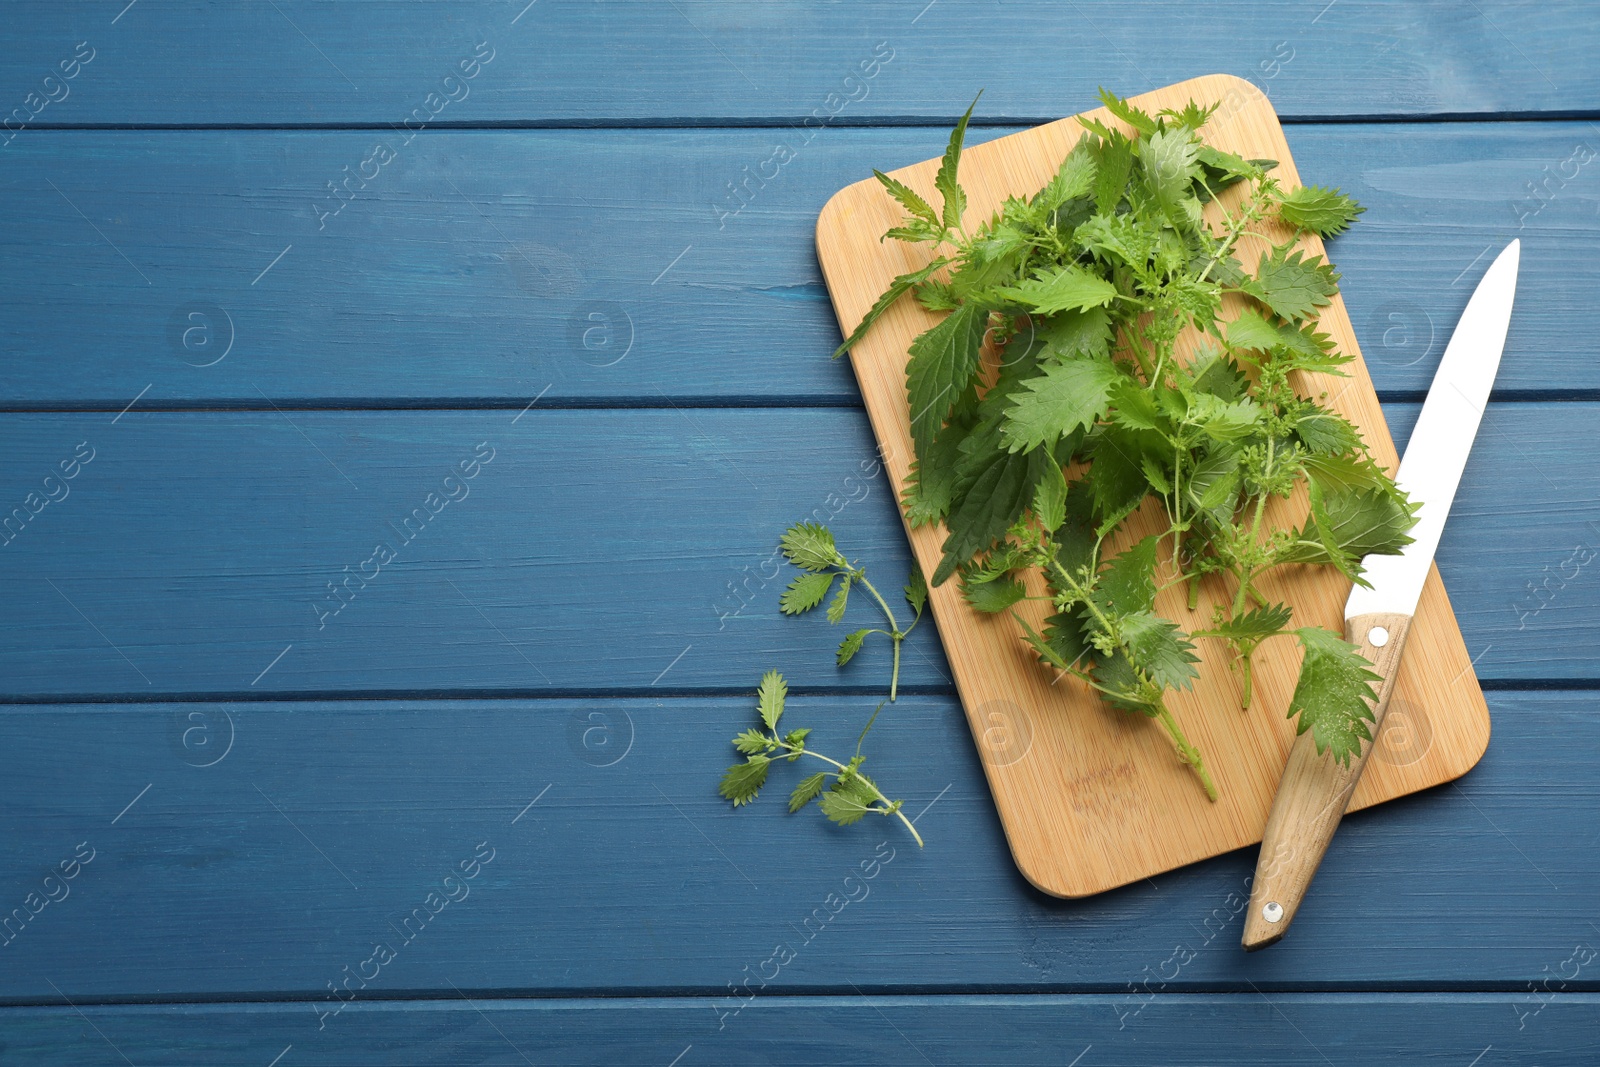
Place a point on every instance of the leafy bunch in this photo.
(1084, 369)
(843, 793)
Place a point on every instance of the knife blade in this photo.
(1315, 788)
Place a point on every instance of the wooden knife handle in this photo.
(1313, 794)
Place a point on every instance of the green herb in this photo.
(852, 794)
(1103, 294)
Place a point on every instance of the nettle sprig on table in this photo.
(843, 792)
(1114, 381)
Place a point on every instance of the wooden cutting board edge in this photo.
(1078, 836)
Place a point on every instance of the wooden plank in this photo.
(469, 270)
(1396, 1029)
(1091, 808)
(229, 880)
(201, 545)
(374, 62)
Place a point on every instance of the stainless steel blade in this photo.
(1431, 469)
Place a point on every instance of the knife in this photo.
(1315, 788)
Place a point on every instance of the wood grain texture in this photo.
(708, 61)
(631, 878)
(468, 272)
(1314, 791)
(1400, 1030)
(1099, 801)
(200, 543)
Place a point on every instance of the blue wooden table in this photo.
(400, 402)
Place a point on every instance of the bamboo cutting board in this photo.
(1092, 798)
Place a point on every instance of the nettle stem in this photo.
(889, 806)
(896, 635)
(1186, 751)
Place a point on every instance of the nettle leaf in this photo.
(1074, 178)
(1117, 474)
(1125, 111)
(1163, 652)
(1068, 334)
(897, 288)
(807, 791)
(1121, 685)
(1167, 160)
(995, 498)
(994, 596)
(1253, 626)
(805, 592)
(1334, 695)
(1050, 499)
(1113, 165)
(743, 781)
(1224, 168)
(1069, 288)
(943, 362)
(1068, 396)
(770, 697)
(850, 646)
(840, 600)
(1214, 483)
(809, 546)
(1322, 211)
(955, 201)
(916, 589)
(1291, 285)
(1127, 585)
(1364, 523)
(1326, 432)
(850, 798)
(908, 199)
(1224, 420)
(752, 742)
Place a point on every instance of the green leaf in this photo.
(752, 741)
(810, 547)
(1291, 285)
(850, 646)
(806, 791)
(1076, 333)
(1117, 474)
(1125, 111)
(743, 781)
(1253, 626)
(996, 496)
(1050, 499)
(805, 592)
(1334, 694)
(1113, 165)
(849, 799)
(908, 199)
(1074, 178)
(897, 288)
(769, 698)
(1160, 649)
(1127, 585)
(1223, 420)
(1324, 212)
(916, 589)
(955, 201)
(1326, 432)
(1069, 288)
(1362, 523)
(1168, 161)
(1068, 396)
(1125, 691)
(993, 597)
(943, 362)
(840, 600)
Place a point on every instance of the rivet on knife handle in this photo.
(1314, 793)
